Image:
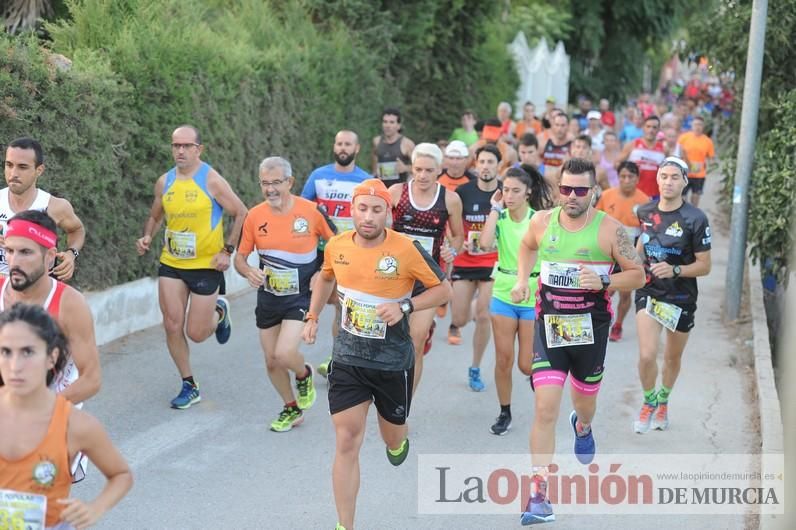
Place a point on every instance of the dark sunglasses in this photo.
(580, 191)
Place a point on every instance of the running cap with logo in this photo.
(36, 233)
(593, 115)
(676, 162)
(457, 149)
(373, 187)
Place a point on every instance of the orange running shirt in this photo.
(287, 246)
(623, 209)
(698, 149)
(45, 469)
(451, 184)
(522, 128)
(367, 277)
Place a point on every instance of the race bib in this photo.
(474, 241)
(668, 315)
(281, 282)
(343, 224)
(562, 275)
(388, 170)
(67, 376)
(360, 319)
(22, 511)
(181, 245)
(426, 242)
(568, 330)
(696, 167)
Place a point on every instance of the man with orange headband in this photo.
(373, 355)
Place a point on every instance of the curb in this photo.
(771, 429)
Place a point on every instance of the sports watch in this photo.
(406, 306)
(676, 270)
(606, 281)
(229, 249)
(75, 252)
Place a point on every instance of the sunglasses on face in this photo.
(580, 191)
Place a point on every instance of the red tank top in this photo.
(52, 303)
(648, 159)
(424, 225)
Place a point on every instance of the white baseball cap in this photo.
(594, 115)
(457, 149)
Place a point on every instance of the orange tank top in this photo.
(45, 469)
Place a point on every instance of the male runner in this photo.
(491, 135)
(675, 245)
(528, 151)
(24, 164)
(529, 123)
(647, 152)
(331, 187)
(556, 150)
(595, 130)
(466, 133)
(622, 203)
(193, 197)
(285, 230)
(699, 149)
(421, 209)
(577, 248)
(391, 149)
(472, 269)
(455, 172)
(375, 269)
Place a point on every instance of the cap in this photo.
(593, 115)
(373, 187)
(550, 99)
(457, 149)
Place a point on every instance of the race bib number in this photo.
(22, 511)
(388, 170)
(181, 245)
(343, 224)
(360, 319)
(697, 167)
(474, 242)
(562, 275)
(426, 242)
(568, 330)
(281, 282)
(668, 315)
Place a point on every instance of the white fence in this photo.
(543, 73)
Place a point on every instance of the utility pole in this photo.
(746, 155)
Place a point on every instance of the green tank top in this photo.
(509, 234)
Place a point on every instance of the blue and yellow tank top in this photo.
(194, 227)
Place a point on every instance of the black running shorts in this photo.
(199, 281)
(390, 390)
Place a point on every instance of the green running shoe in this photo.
(397, 456)
(289, 417)
(306, 391)
(323, 368)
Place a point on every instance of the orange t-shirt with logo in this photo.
(698, 149)
(367, 277)
(623, 208)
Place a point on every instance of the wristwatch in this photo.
(406, 306)
(229, 249)
(75, 252)
(606, 281)
(676, 270)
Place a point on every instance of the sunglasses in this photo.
(580, 191)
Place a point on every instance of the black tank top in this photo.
(386, 156)
(427, 226)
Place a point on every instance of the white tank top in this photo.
(40, 203)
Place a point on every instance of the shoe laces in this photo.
(285, 414)
(662, 410)
(303, 385)
(646, 412)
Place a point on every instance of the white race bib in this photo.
(561, 275)
(181, 245)
(22, 511)
(388, 170)
(568, 330)
(474, 242)
(360, 319)
(426, 242)
(281, 282)
(668, 315)
(343, 224)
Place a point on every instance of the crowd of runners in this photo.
(530, 231)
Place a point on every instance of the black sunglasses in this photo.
(580, 191)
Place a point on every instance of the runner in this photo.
(375, 269)
(285, 231)
(528, 150)
(43, 432)
(421, 209)
(455, 172)
(24, 165)
(507, 125)
(506, 224)
(472, 269)
(606, 159)
(595, 130)
(331, 187)
(529, 123)
(632, 128)
(622, 203)
(675, 245)
(647, 152)
(491, 135)
(698, 147)
(466, 133)
(577, 248)
(391, 150)
(193, 197)
(581, 148)
(556, 150)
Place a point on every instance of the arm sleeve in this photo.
(423, 267)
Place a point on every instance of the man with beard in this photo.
(331, 187)
(30, 251)
(647, 152)
(392, 150)
(577, 248)
(23, 166)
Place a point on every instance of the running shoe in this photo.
(306, 391)
(323, 368)
(539, 509)
(616, 333)
(454, 335)
(642, 424)
(339, 527)
(397, 456)
(289, 417)
(660, 420)
(224, 326)
(584, 443)
(427, 347)
(502, 424)
(442, 310)
(189, 395)
(476, 384)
